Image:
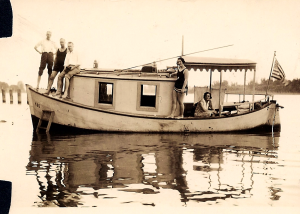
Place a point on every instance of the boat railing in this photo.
(246, 106)
(267, 96)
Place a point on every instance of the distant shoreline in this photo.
(257, 92)
(263, 92)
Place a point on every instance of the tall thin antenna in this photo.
(182, 45)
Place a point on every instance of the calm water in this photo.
(150, 170)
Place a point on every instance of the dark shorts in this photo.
(58, 68)
(46, 59)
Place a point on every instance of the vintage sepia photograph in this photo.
(165, 106)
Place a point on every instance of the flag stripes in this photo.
(277, 72)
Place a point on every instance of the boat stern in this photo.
(274, 116)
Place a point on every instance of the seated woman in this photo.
(204, 107)
(180, 88)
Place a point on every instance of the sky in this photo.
(125, 33)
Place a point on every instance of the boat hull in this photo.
(73, 116)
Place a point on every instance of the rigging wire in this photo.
(179, 56)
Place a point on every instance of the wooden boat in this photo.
(139, 101)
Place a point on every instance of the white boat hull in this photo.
(70, 114)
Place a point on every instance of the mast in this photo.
(182, 45)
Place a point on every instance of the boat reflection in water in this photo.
(150, 169)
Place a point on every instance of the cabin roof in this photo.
(206, 63)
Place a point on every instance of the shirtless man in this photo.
(58, 65)
(48, 50)
(71, 67)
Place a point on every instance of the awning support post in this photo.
(220, 89)
(253, 89)
(245, 85)
(210, 80)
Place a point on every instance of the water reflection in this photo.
(83, 170)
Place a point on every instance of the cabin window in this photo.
(147, 99)
(105, 93)
(148, 95)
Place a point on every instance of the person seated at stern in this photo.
(204, 106)
(180, 87)
(71, 67)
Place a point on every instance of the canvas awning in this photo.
(205, 63)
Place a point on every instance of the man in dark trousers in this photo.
(58, 65)
(47, 50)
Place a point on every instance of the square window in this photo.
(105, 93)
(148, 95)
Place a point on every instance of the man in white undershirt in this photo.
(47, 51)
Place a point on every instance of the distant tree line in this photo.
(275, 86)
(20, 85)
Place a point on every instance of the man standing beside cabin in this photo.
(59, 63)
(71, 67)
(48, 49)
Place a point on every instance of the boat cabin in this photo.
(127, 92)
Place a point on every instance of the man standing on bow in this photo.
(58, 64)
(48, 49)
(71, 67)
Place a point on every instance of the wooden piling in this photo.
(11, 96)
(3, 96)
(19, 96)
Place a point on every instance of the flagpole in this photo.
(271, 72)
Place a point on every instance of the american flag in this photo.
(277, 72)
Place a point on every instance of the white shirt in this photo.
(72, 58)
(47, 46)
(204, 105)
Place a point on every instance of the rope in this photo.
(179, 56)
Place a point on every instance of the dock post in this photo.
(11, 96)
(3, 96)
(19, 96)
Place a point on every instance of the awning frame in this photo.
(222, 65)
